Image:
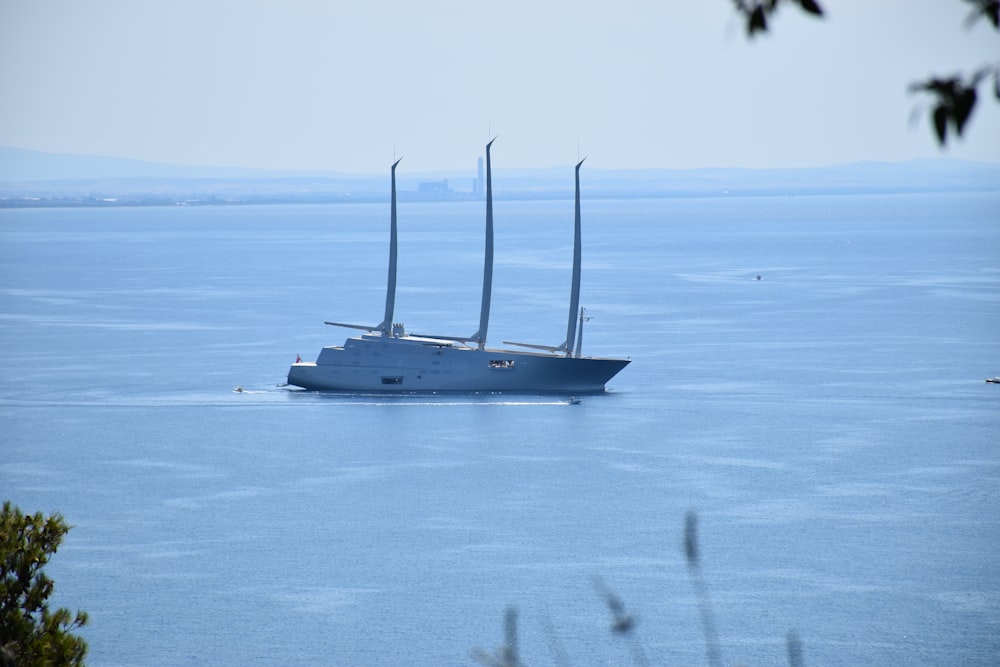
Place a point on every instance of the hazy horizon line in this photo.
(265, 172)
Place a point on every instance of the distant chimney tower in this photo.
(479, 179)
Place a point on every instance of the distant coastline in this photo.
(31, 179)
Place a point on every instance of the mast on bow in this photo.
(573, 343)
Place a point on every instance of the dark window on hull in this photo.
(392, 380)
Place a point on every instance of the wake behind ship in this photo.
(388, 359)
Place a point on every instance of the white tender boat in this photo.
(387, 359)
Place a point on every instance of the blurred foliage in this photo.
(32, 634)
(758, 12)
(624, 624)
(506, 655)
(953, 98)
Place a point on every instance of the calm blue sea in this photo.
(829, 424)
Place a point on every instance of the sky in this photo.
(338, 85)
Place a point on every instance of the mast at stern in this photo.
(484, 313)
(574, 297)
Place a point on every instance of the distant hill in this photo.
(936, 174)
(20, 165)
(37, 179)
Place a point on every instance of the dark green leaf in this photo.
(988, 8)
(941, 115)
(965, 102)
(992, 12)
(40, 634)
(812, 7)
(757, 21)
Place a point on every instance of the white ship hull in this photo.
(375, 363)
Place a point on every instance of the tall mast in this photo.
(390, 292)
(574, 297)
(484, 313)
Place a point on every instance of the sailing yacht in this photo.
(387, 359)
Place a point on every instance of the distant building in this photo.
(433, 188)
